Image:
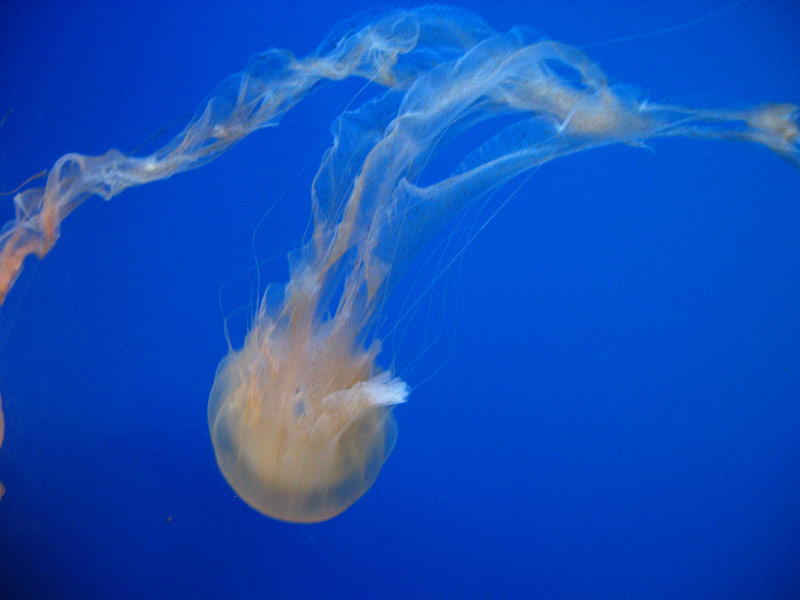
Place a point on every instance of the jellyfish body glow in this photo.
(300, 416)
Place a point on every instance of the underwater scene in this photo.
(496, 300)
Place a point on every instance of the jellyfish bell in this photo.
(295, 447)
(300, 416)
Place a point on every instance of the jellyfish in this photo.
(300, 414)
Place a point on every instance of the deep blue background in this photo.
(611, 407)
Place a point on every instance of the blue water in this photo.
(605, 385)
